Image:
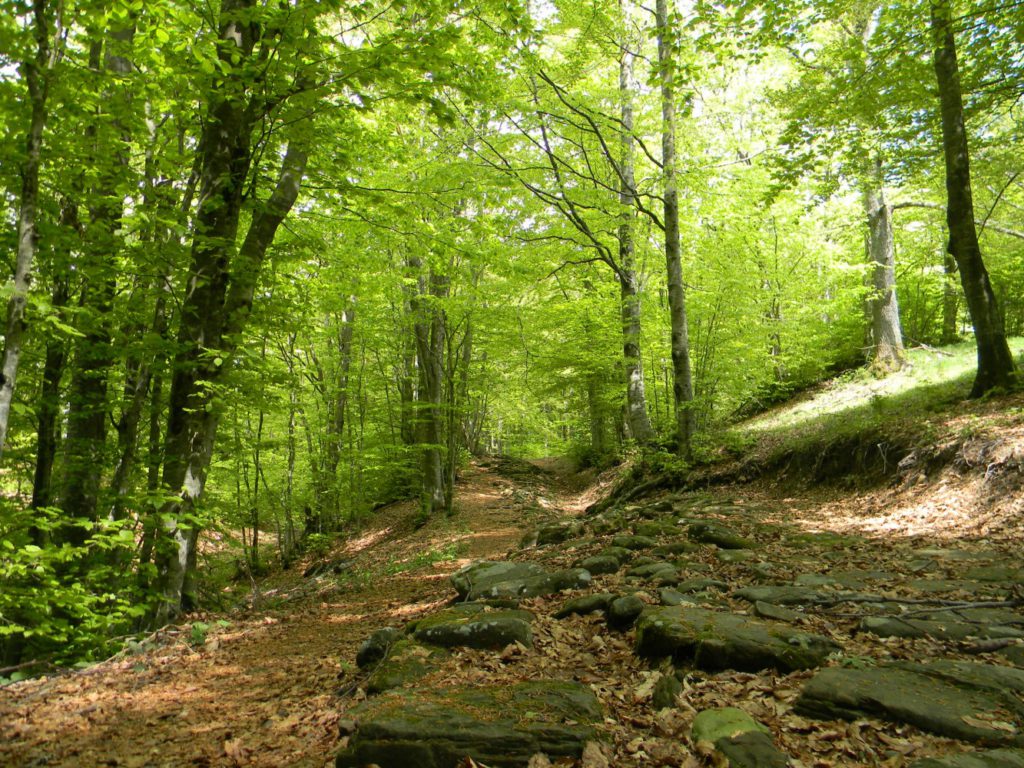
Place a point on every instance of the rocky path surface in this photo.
(739, 627)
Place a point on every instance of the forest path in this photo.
(258, 687)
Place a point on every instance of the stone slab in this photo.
(962, 700)
(718, 640)
(499, 727)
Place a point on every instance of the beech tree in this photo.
(995, 364)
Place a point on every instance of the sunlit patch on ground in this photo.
(367, 540)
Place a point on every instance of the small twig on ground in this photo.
(950, 604)
(25, 665)
(988, 645)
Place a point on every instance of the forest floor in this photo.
(269, 685)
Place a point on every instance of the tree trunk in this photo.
(636, 400)
(36, 72)
(950, 301)
(338, 410)
(887, 353)
(995, 364)
(682, 384)
(88, 413)
(219, 294)
(430, 329)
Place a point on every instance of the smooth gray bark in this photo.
(682, 384)
(887, 351)
(629, 289)
(215, 310)
(36, 72)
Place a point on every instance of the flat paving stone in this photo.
(487, 630)
(949, 628)
(718, 640)
(502, 727)
(962, 700)
(507, 579)
(967, 586)
(992, 758)
(776, 612)
(783, 595)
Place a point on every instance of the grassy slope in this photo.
(859, 424)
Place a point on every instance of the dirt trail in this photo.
(261, 690)
(270, 688)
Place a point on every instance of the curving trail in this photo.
(262, 690)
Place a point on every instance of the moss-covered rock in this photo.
(717, 640)
(405, 663)
(505, 579)
(962, 700)
(740, 741)
(458, 627)
(500, 727)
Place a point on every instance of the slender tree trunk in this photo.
(37, 73)
(430, 329)
(950, 301)
(88, 411)
(887, 351)
(48, 409)
(636, 399)
(995, 364)
(338, 409)
(682, 385)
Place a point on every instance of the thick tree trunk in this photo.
(36, 72)
(995, 363)
(636, 400)
(219, 297)
(682, 384)
(887, 351)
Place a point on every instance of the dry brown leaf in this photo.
(594, 756)
(998, 725)
(646, 688)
